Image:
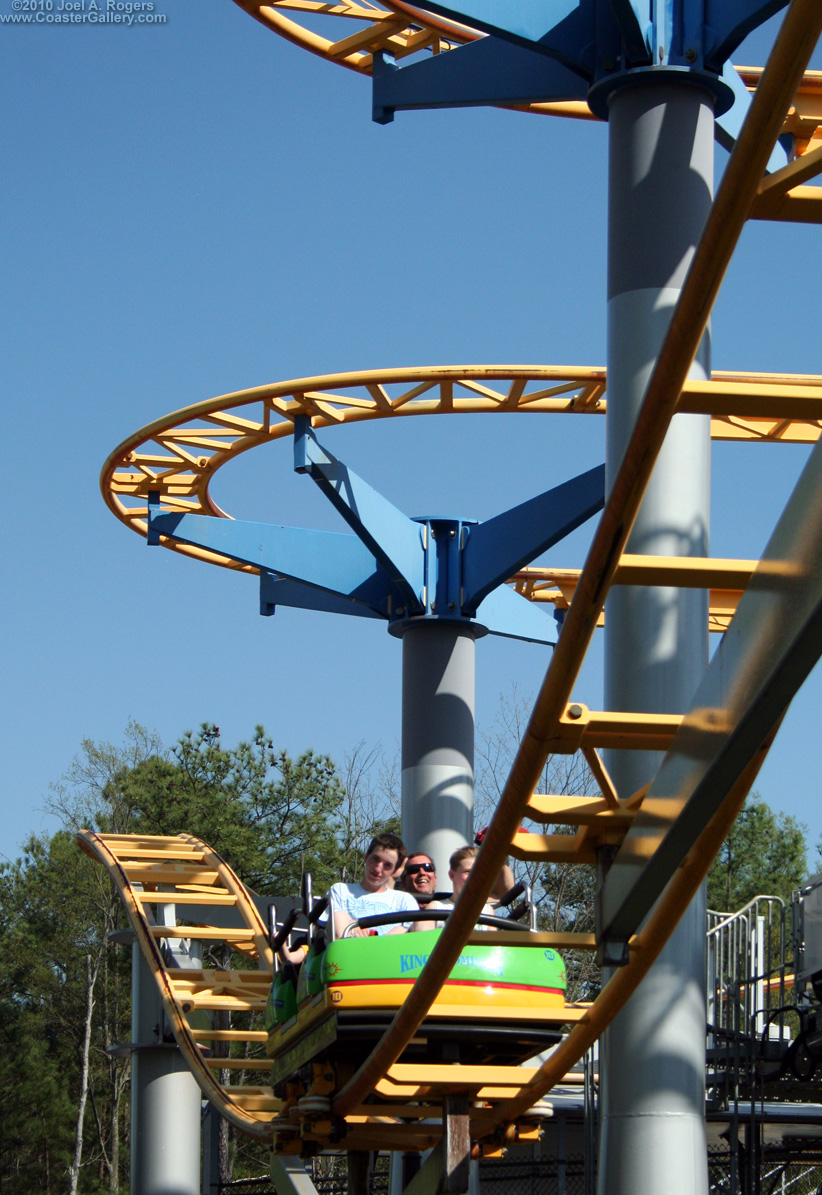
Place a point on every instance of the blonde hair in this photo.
(465, 852)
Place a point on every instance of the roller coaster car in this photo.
(501, 1004)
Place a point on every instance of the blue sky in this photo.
(198, 207)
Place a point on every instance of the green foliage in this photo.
(36, 1109)
(764, 854)
(56, 911)
(269, 816)
(65, 991)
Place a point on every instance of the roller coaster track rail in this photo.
(198, 894)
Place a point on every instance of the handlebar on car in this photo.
(511, 895)
(318, 910)
(518, 911)
(427, 915)
(285, 929)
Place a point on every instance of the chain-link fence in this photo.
(248, 1186)
(540, 1176)
(770, 1171)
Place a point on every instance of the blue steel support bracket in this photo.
(728, 23)
(152, 534)
(597, 40)
(443, 553)
(666, 31)
(497, 548)
(388, 534)
(509, 615)
(383, 71)
(325, 560)
(333, 573)
(488, 71)
(282, 591)
(636, 24)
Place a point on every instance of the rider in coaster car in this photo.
(372, 895)
(419, 877)
(461, 863)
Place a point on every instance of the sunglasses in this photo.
(413, 868)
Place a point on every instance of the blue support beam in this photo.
(494, 70)
(728, 23)
(585, 42)
(664, 31)
(459, 567)
(444, 569)
(484, 72)
(635, 18)
(508, 615)
(393, 538)
(152, 534)
(727, 126)
(496, 549)
(280, 591)
(338, 564)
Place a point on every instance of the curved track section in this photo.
(180, 454)
(179, 888)
(349, 32)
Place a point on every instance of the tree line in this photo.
(65, 990)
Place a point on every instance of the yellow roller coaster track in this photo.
(180, 454)
(177, 887)
(550, 726)
(188, 879)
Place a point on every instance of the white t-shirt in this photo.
(487, 910)
(358, 902)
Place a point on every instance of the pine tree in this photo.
(765, 854)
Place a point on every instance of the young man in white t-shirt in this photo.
(373, 894)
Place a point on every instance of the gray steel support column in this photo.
(165, 1099)
(437, 739)
(210, 1122)
(652, 1135)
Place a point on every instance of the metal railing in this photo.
(748, 1026)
